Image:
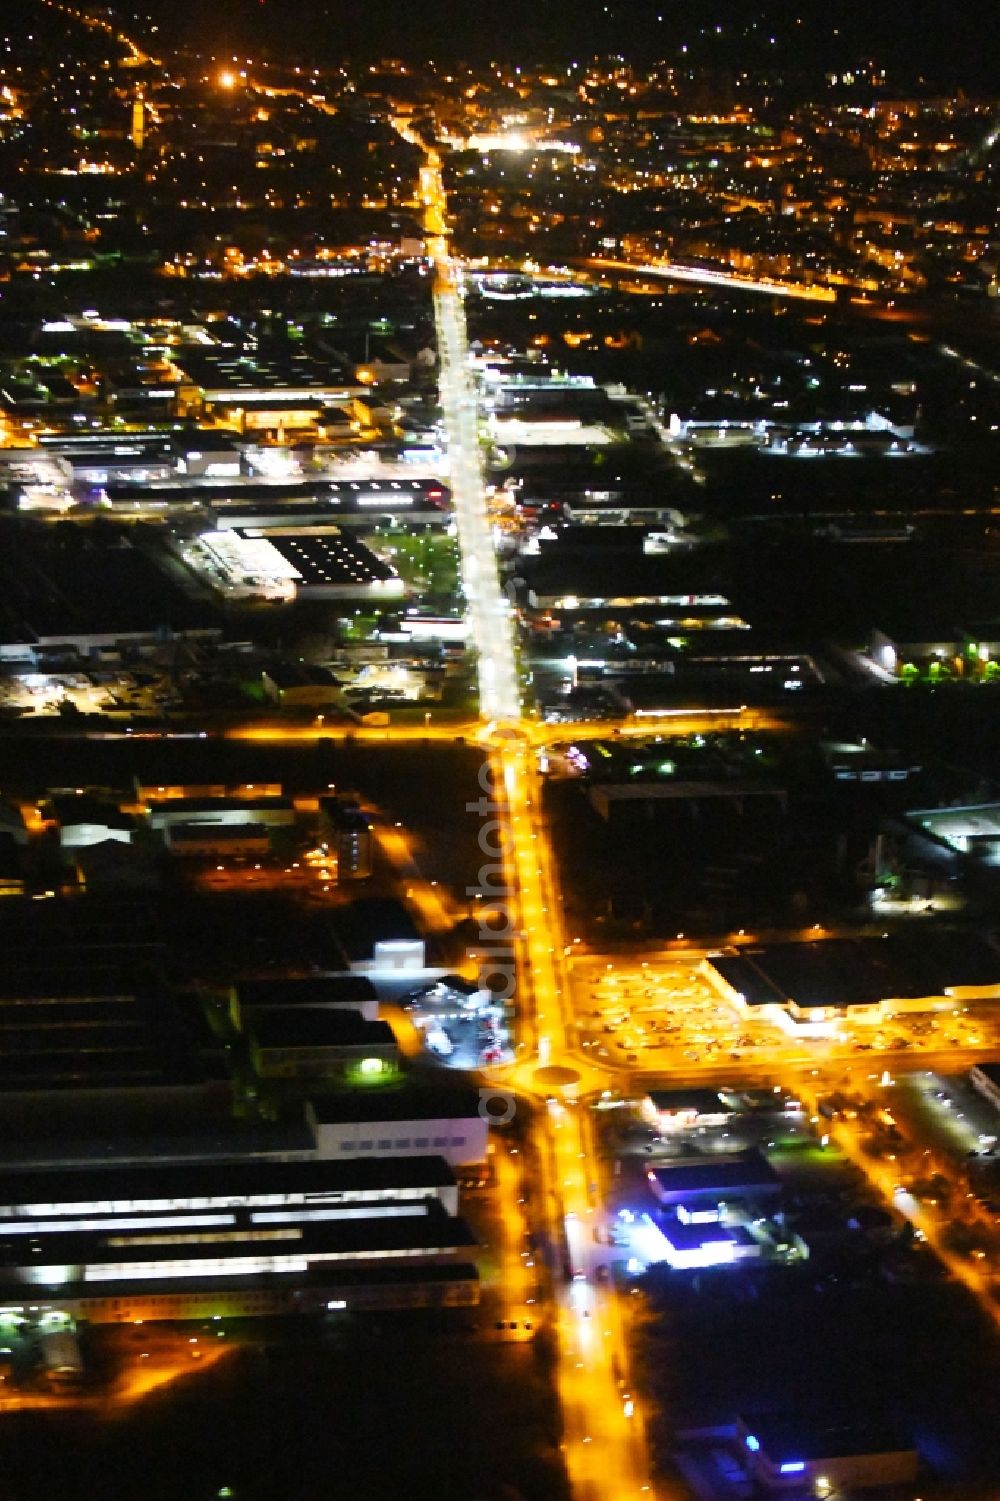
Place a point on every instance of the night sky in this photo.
(944, 39)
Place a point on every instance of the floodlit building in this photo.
(701, 1189)
(685, 1109)
(693, 1245)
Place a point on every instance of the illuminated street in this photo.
(489, 609)
(603, 1434)
(704, 277)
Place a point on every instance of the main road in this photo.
(603, 1434)
(489, 610)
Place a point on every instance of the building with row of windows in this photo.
(113, 1244)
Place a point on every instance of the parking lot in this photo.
(653, 1014)
(662, 1013)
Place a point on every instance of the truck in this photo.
(62, 1362)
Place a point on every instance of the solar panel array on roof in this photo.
(328, 557)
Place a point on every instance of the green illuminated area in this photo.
(426, 561)
(373, 1071)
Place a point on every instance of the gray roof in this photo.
(711, 1174)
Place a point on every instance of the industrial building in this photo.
(101, 1039)
(121, 1244)
(270, 809)
(823, 1458)
(319, 1042)
(451, 1123)
(322, 561)
(218, 840)
(339, 992)
(709, 1185)
(379, 937)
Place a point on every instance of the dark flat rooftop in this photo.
(316, 1026)
(333, 558)
(700, 1174)
(395, 1105)
(784, 1437)
(860, 971)
(212, 1180)
(307, 990)
(373, 920)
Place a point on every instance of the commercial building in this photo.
(810, 989)
(218, 840)
(693, 1243)
(703, 1189)
(346, 828)
(789, 1453)
(669, 1110)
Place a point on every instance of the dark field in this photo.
(382, 1410)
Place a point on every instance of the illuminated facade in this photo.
(66, 1237)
